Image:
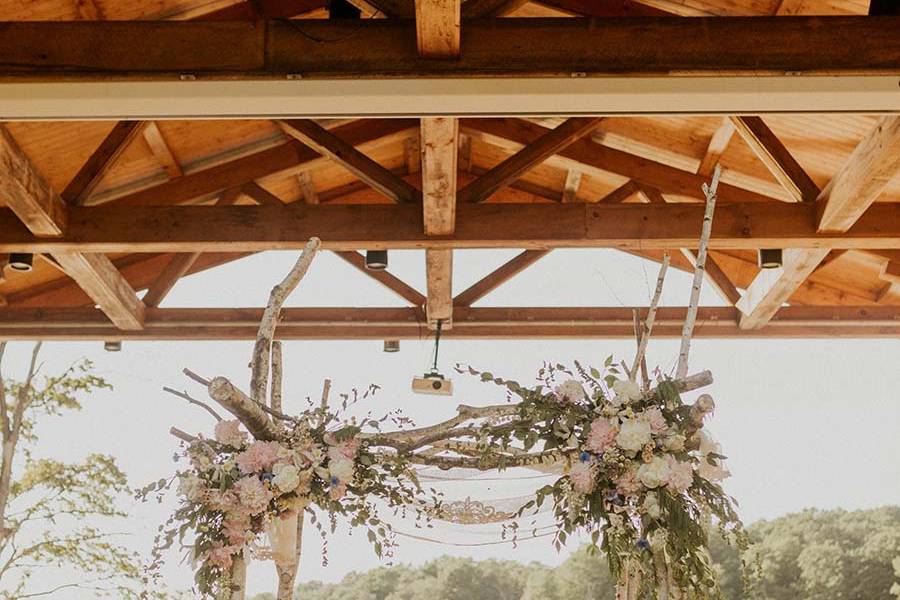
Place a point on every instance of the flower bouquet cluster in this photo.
(236, 489)
(639, 473)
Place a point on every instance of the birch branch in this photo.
(275, 397)
(248, 412)
(191, 400)
(260, 365)
(688, 330)
(651, 318)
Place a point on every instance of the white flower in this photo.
(229, 433)
(651, 505)
(339, 466)
(286, 477)
(626, 392)
(633, 435)
(715, 471)
(191, 487)
(673, 442)
(570, 391)
(654, 473)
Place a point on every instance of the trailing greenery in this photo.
(811, 555)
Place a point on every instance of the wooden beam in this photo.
(470, 323)
(573, 182)
(26, 192)
(100, 279)
(594, 158)
(498, 277)
(252, 10)
(874, 162)
(160, 149)
(328, 144)
(783, 166)
(439, 143)
(396, 285)
(100, 161)
(307, 188)
(261, 195)
(606, 8)
(485, 9)
(379, 48)
(842, 204)
(620, 194)
(718, 143)
(437, 28)
(114, 229)
(649, 194)
(534, 153)
(278, 161)
(439, 273)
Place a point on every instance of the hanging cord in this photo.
(437, 346)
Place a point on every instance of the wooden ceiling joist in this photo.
(469, 323)
(844, 202)
(718, 143)
(533, 153)
(593, 158)
(783, 166)
(100, 279)
(717, 277)
(437, 28)
(100, 161)
(535, 226)
(161, 150)
(345, 154)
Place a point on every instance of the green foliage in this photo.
(797, 554)
(46, 504)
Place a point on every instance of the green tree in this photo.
(47, 506)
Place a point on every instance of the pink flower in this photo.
(628, 483)
(602, 435)
(220, 556)
(252, 495)
(681, 475)
(237, 531)
(656, 419)
(582, 475)
(229, 433)
(260, 456)
(226, 501)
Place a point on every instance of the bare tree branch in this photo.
(203, 405)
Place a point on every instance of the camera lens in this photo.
(436, 385)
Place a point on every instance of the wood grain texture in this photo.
(100, 279)
(439, 143)
(381, 47)
(111, 229)
(26, 192)
(437, 28)
(100, 161)
(439, 274)
(533, 153)
(161, 150)
(328, 144)
(498, 277)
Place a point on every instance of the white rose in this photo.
(633, 435)
(626, 392)
(286, 477)
(654, 473)
(570, 391)
(191, 487)
(342, 469)
(673, 442)
(651, 505)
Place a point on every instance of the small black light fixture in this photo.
(21, 261)
(771, 258)
(376, 260)
(392, 345)
(112, 345)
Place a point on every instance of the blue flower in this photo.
(267, 477)
(335, 480)
(643, 544)
(584, 456)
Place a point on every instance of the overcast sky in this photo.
(805, 423)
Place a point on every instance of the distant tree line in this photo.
(811, 555)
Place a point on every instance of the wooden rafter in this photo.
(251, 10)
(593, 158)
(161, 150)
(573, 182)
(841, 205)
(470, 323)
(342, 152)
(261, 195)
(391, 282)
(718, 143)
(437, 28)
(538, 225)
(717, 277)
(620, 194)
(498, 277)
(100, 279)
(282, 160)
(783, 166)
(100, 161)
(607, 8)
(26, 192)
(533, 153)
